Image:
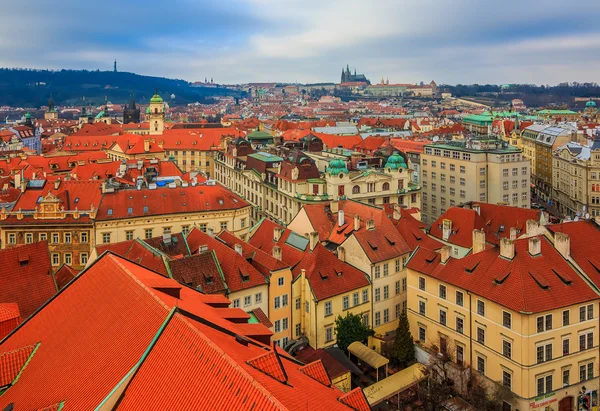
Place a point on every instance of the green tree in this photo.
(403, 350)
(349, 329)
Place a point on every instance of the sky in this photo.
(239, 41)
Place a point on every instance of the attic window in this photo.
(390, 241)
(145, 209)
(500, 278)
(540, 280)
(471, 267)
(563, 277)
(501, 229)
(220, 200)
(417, 237)
(323, 275)
(431, 258)
(373, 246)
(244, 276)
(338, 272)
(109, 212)
(208, 280)
(39, 200)
(130, 210)
(76, 200)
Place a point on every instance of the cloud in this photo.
(234, 41)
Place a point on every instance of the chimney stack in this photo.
(238, 249)
(277, 234)
(446, 252)
(533, 228)
(313, 240)
(277, 253)
(371, 224)
(146, 145)
(507, 248)
(478, 241)
(397, 215)
(535, 246)
(446, 229)
(341, 220)
(210, 231)
(356, 222)
(334, 206)
(513, 233)
(562, 243)
(341, 253)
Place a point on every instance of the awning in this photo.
(366, 354)
(394, 384)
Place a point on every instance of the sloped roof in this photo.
(200, 271)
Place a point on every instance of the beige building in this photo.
(518, 314)
(481, 169)
(576, 179)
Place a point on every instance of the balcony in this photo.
(315, 198)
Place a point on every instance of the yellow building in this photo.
(520, 315)
(127, 214)
(480, 169)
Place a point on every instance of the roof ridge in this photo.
(316, 370)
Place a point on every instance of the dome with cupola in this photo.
(156, 99)
(395, 162)
(590, 103)
(337, 166)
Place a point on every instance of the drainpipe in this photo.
(470, 333)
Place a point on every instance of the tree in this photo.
(349, 329)
(403, 350)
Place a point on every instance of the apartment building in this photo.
(519, 314)
(479, 169)
(576, 179)
(539, 142)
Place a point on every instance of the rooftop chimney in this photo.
(371, 224)
(210, 231)
(334, 206)
(238, 249)
(341, 220)
(146, 145)
(277, 234)
(562, 243)
(397, 215)
(535, 246)
(356, 222)
(446, 252)
(513, 233)
(446, 229)
(314, 240)
(277, 253)
(341, 253)
(507, 248)
(56, 183)
(478, 241)
(533, 228)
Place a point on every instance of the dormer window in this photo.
(110, 211)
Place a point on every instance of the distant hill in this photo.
(32, 88)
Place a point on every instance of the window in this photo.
(422, 334)
(298, 330)
(442, 292)
(397, 287)
(186, 229)
(566, 318)
(365, 296)
(346, 302)
(247, 300)
(590, 371)
(129, 235)
(258, 298)
(377, 294)
(586, 340)
(307, 306)
(67, 238)
(404, 284)
(203, 227)
(459, 298)
(280, 281)
(386, 292)
(44, 236)
(236, 303)
(377, 319)
(543, 353)
(106, 238)
(328, 308)
(506, 319)
(297, 303)
(224, 225)
(284, 300)
(83, 258)
(54, 238)
(565, 344)
(505, 172)
(480, 308)
(277, 302)
(507, 379)
(548, 322)
(277, 326)
(148, 233)
(28, 238)
(377, 271)
(480, 335)
(460, 325)
(68, 259)
(55, 259)
(544, 323)
(398, 265)
(422, 307)
(422, 283)
(481, 365)
(507, 349)
(566, 377)
(462, 169)
(442, 317)
(460, 354)
(385, 269)
(284, 324)
(386, 315)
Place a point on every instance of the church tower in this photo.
(157, 114)
(52, 113)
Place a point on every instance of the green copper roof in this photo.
(337, 166)
(28, 115)
(259, 135)
(590, 104)
(100, 114)
(265, 157)
(395, 162)
(156, 99)
(148, 110)
(550, 112)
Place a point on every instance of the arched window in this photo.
(356, 190)
(386, 186)
(156, 111)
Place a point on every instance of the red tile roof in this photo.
(168, 201)
(63, 275)
(139, 252)
(263, 262)
(262, 317)
(200, 271)
(334, 368)
(26, 277)
(356, 400)
(316, 370)
(12, 362)
(525, 284)
(81, 195)
(10, 318)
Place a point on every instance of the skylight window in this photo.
(109, 212)
(145, 209)
(76, 200)
(130, 210)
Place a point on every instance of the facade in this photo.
(156, 115)
(482, 170)
(529, 321)
(131, 113)
(539, 142)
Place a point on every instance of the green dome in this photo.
(337, 166)
(156, 99)
(590, 104)
(395, 162)
(28, 115)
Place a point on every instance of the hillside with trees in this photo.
(33, 88)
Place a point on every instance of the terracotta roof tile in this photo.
(316, 370)
(12, 362)
(356, 400)
(262, 317)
